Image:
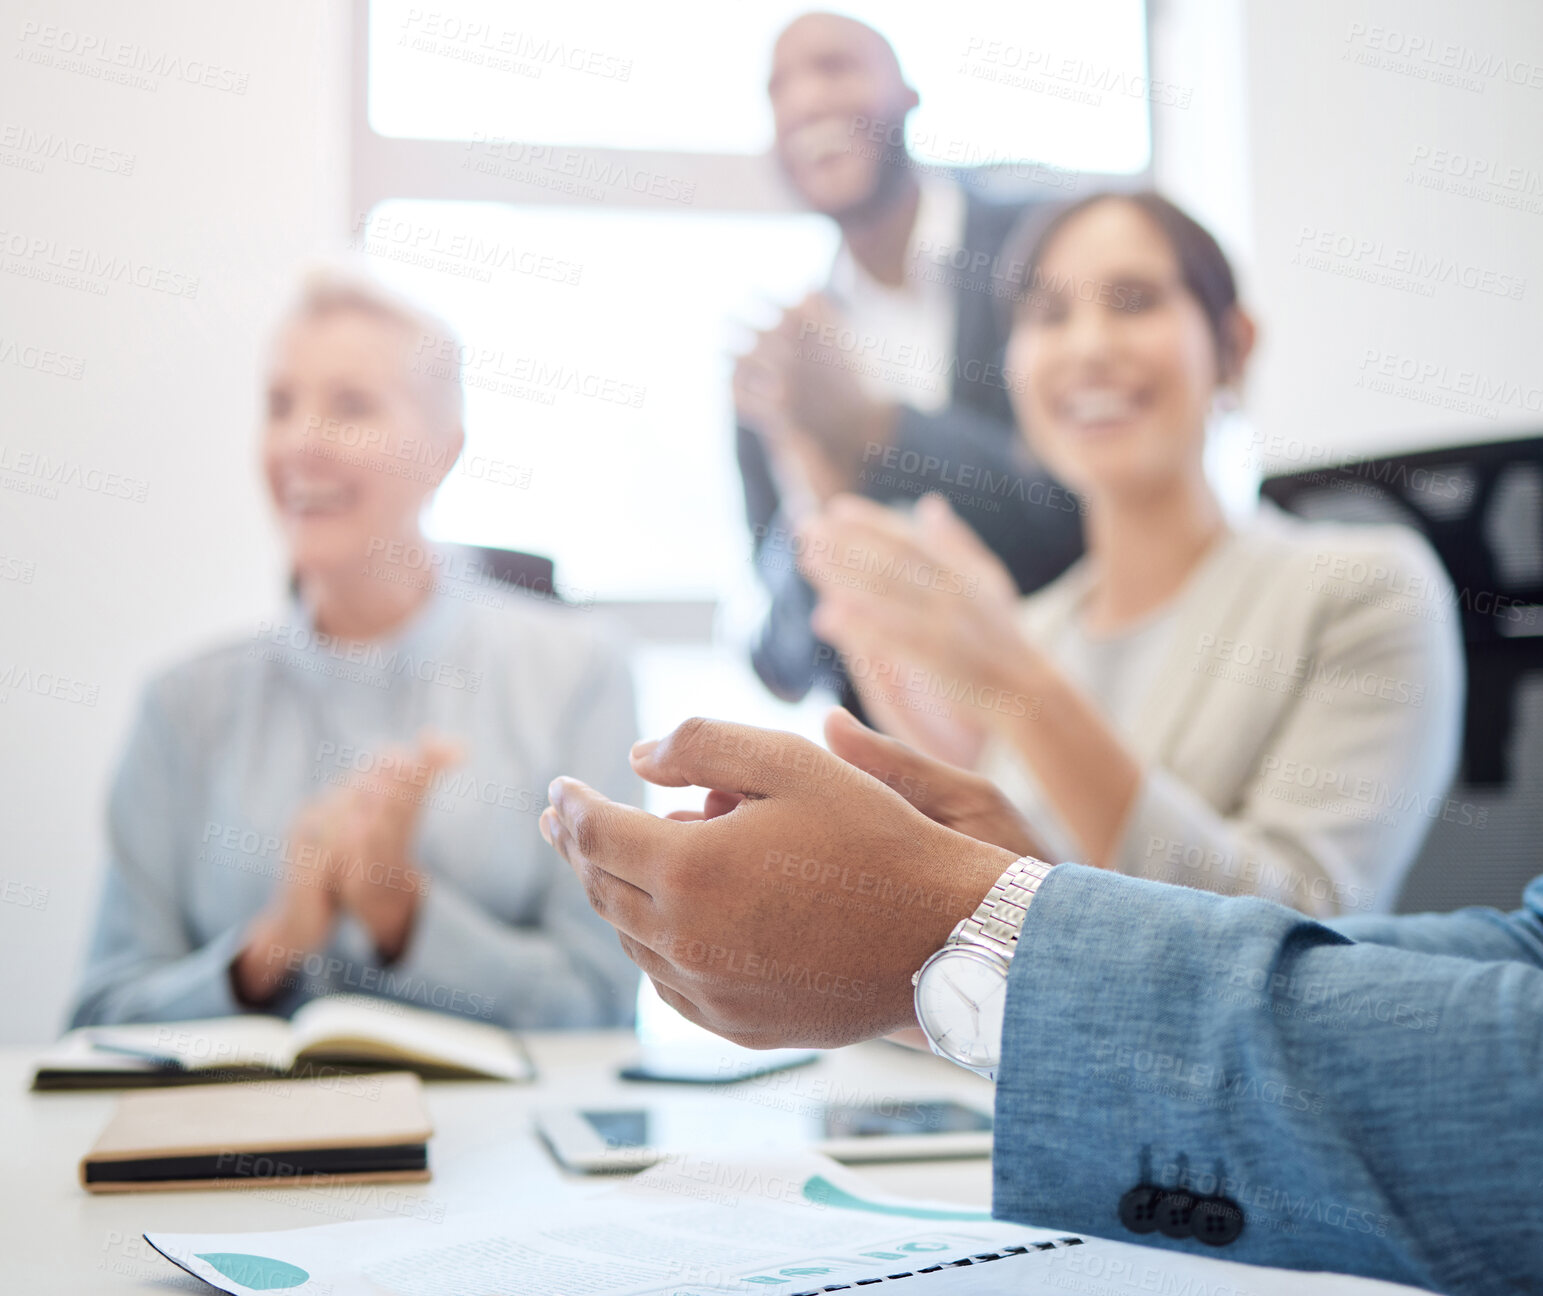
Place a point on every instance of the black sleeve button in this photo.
(1216, 1221)
(1138, 1208)
(1173, 1213)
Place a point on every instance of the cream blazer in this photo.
(1300, 738)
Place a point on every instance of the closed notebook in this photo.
(344, 1129)
(353, 1032)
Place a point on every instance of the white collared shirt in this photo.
(905, 335)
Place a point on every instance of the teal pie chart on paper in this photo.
(260, 1273)
(819, 1189)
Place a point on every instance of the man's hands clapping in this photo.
(798, 389)
(795, 910)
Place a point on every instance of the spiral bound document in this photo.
(1099, 1267)
(964, 1262)
(692, 1226)
(705, 1226)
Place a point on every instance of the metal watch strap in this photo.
(997, 922)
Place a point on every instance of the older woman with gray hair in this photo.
(347, 799)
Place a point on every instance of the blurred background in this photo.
(597, 212)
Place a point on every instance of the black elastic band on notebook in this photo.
(277, 1166)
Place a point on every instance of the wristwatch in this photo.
(961, 991)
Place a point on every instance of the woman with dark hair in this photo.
(1268, 708)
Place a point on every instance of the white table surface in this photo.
(56, 1237)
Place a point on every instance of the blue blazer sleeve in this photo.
(1370, 1108)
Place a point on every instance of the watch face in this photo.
(961, 996)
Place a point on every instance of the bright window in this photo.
(600, 430)
(1000, 80)
(601, 323)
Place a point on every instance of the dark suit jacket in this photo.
(970, 451)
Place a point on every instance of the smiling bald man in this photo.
(889, 382)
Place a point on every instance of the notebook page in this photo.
(360, 1026)
(74, 1051)
(211, 1044)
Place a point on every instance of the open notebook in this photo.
(338, 1032)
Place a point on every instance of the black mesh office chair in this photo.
(526, 571)
(1481, 508)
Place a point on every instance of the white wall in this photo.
(1340, 123)
(234, 187)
